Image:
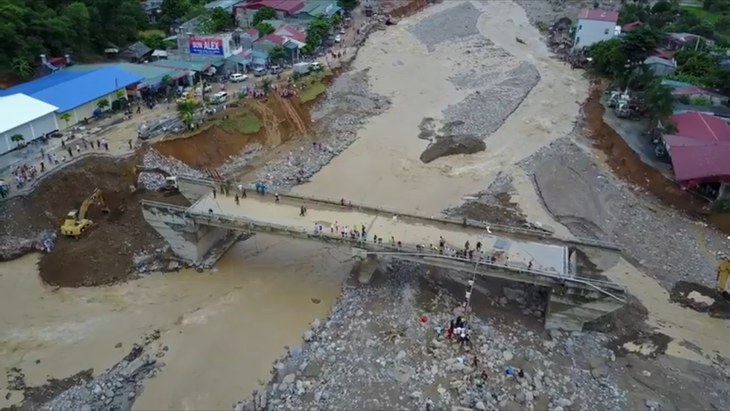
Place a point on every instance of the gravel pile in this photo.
(452, 24)
(118, 387)
(363, 357)
(339, 116)
(590, 202)
(12, 247)
(237, 163)
(154, 181)
(484, 111)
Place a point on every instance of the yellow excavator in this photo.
(723, 275)
(170, 188)
(76, 222)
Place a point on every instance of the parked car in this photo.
(259, 71)
(276, 69)
(342, 30)
(338, 38)
(219, 97)
(238, 77)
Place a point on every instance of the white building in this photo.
(594, 26)
(25, 116)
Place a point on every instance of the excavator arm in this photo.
(95, 198)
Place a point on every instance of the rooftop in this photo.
(67, 90)
(630, 26)
(273, 38)
(597, 14)
(694, 159)
(286, 6)
(702, 127)
(660, 60)
(291, 32)
(19, 109)
(224, 4)
(182, 65)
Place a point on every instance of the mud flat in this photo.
(383, 166)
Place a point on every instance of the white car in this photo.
(342, 30)
(338, 39)
(238, 77)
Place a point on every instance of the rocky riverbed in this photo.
(380, 349)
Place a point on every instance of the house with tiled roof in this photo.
(594, 25)
(699, 148)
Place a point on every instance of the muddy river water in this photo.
(225, 327)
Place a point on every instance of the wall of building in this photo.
(229, 47)
(592, 31)
(30, 131)
(86, 110)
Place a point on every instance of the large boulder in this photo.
(451, 145)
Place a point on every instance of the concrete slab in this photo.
(546, 257)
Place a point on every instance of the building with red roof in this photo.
(284, 8)
(631, 26)
(700, 148)
(595, 25)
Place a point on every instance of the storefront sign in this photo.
(206, 45)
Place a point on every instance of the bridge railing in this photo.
(520, 231)
(231, 221)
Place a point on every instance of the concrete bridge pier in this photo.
(568, 309)
(187, 239)
(367, 268)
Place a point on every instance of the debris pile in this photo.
(12, 247)
(339, 116)
(155, 181)
(119, 387)
(160, 125)
(398, 356)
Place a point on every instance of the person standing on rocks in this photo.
(70, 152)
(236, 199)
(277, 200)
(479, 245)
(214, 194)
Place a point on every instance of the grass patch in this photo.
(313, 91)
(703, 14)
(245, 124)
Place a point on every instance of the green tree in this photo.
(168, 83)
(214, 21)
(17, 138)
(154, 39)
(264, 28)
(347, 4)
(278, 54)
(22, 68)
(318, 30)
(639, 44)
(102, 104)
(264, 13)
(336, 19)
(701, 65)
(609, 59)
(186, 109)
(659, 102)
(723, 24)
(66, 117)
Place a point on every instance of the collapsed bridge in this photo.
(521, 255)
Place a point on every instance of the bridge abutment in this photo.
(569, 309)
(187, 239)
(367, 268)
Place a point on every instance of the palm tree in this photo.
(102, 104)
(22, 68)
(17, 138)
(66, 117)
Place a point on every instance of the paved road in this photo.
(409, 230)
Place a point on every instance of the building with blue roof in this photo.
(77, 93)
